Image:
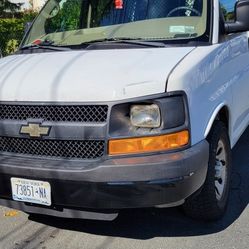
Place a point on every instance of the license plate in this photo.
(32, 191)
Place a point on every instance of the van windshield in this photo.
(73, 22)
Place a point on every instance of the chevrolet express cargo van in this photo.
(110, 104)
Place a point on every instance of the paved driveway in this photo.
(150, 228)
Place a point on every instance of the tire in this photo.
(211, 201)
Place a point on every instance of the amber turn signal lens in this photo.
(148, 144)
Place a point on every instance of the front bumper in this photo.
(112, 184)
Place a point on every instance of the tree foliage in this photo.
(64, 18)
(229, 16)
(8, 9)
(73, 15)
(12, 31)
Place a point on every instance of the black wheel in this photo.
(210, 203)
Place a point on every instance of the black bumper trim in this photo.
(65, 213)
(115, 183)
(131, 169)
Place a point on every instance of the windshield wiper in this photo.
(127, 40)
(45, 45)
(186, 35)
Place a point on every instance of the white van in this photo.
(114, 104)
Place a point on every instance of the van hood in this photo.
(88, 76)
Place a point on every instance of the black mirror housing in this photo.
(241, 18)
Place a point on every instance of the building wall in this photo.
(37, 4)
(30, 4)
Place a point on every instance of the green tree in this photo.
(223, 10)
(74, 15)
(66, 17)
(229, 16)
(8, 9)
(12, 31)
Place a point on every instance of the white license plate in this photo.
(32, 191)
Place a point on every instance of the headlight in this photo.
(148, 117)
(145, 116)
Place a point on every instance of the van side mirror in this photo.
(241, 22)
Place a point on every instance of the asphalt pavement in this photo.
(141, 228)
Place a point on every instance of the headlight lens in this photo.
(145, 116)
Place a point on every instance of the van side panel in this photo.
(212, 76)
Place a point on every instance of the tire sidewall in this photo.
(218, 133)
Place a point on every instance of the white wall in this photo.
(37, 4)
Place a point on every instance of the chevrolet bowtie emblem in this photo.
(35, 130)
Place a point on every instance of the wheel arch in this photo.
(221, 113)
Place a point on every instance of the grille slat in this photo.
(56, 113)
(70, 149)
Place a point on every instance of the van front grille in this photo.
(70, 149)
(56, 113)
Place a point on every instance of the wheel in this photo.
(211, 202)
(181, 8)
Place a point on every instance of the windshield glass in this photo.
(73, 22)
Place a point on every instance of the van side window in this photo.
(227, 7)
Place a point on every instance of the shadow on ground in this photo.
(149, 223)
